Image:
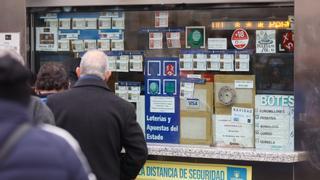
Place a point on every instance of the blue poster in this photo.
(162, 100)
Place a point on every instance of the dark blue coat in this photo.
(39, 155)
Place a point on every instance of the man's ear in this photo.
(78, 72)
(107, 75)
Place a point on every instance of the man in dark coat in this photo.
(38, 154)
(102, 122)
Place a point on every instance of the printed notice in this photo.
(186, 90)
(217, 43)
(274, 118)
(243, 84)
(242, 115)
(10, 41)
(162, 104)
(46, 39)
(231, 133)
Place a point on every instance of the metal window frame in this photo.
(59, 3)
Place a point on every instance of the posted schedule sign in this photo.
(274, 126)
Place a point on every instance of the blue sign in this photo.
(235, 173)
(162, 89)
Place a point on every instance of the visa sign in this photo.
(193, 103)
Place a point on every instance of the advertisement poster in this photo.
(163, 170)
(46, 39)
(10, 41)
(195, 37)
(266, 41)
(274, 122)
(162, 93)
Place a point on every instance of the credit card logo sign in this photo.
(193, 103)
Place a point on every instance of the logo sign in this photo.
(266, 41)
(240, 39)
(170, 70)
(193, 103)
(287, 41)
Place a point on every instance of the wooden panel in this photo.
(244, 97)
(205, 112)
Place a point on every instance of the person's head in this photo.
(52, 77)
(14, 78)
(94, 62)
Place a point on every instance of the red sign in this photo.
(240, 39)
(287, 41)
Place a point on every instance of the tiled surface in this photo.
(241, 154)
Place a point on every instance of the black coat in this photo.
(103, 124)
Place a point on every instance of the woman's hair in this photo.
(52, 76)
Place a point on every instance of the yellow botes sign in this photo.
(156, 170)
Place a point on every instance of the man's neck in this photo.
(90, 76)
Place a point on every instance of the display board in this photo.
(196, 114)
(274, 126)
(162, 100)
(193, 73)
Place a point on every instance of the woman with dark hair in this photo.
(51, 78)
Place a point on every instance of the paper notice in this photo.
(162, 104)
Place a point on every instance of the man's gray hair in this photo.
(13, 54)
(94, 62)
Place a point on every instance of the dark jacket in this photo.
(103, 124)
(38, 155)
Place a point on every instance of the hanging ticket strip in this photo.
(79, 32)
(124, 61)
(224, 60)
(162, 89)
(156, 37)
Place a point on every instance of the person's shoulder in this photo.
(116, 100)
(40, 135)
(60, 95)
(40, 111)
(65, 135)
(34, 101)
